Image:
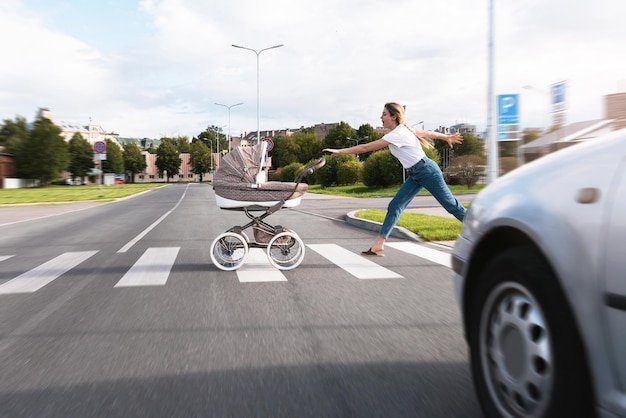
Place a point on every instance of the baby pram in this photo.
(241, 184)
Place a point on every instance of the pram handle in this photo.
(309, 170)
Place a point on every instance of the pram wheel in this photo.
(229, 251)
(285, 250)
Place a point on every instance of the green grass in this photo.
(50, 194)
(360, 190)
(428, 227)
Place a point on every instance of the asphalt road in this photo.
(117, 310)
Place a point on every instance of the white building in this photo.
(91, 132)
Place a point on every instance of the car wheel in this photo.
(526, 355)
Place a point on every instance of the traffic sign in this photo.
(508, 109)
(100, 147)
(270, 144)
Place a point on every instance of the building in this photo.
(91, 132)
(249, 138)
(573, 133)
(463, 128)
(7, 167)
(185, 173)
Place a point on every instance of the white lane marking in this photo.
(357, 265)
(40, 276)
(154, 224)
(5, 257)
(436, 256)
(152, 269)
(258, 268)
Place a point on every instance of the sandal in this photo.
(372, 253)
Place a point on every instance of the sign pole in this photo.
(100, 149)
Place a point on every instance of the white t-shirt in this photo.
(405, 146)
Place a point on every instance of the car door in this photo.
(615, 270)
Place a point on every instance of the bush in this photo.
(290, 172)
(349, 172)
(466, 169)
(327, 175)
(382, 169)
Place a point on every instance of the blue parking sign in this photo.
(558, 93)
(508, 109)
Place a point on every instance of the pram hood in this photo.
(237, 182)
(241, 165)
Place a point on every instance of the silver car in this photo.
(540, 276)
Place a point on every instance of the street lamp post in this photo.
(258, 109)
(492, 143)
(228, 107)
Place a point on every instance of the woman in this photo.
(406, 145)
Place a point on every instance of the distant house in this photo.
(615, 118)
(7, 167)
(564, 137)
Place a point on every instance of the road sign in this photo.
(270, 144)
(95, 171)
(508, 110)
(100, 147)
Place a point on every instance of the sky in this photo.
(155, 68)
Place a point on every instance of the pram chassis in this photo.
(284, 248)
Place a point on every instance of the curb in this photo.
(397, 232)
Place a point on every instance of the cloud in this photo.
(157, 67)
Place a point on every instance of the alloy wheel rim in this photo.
(516, 351)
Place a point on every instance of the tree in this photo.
(43, 155)
(115, 161)
(182, 143)
(285, 151)
(309, 145)
(338, 136)
(471, 145)
(200, 158)
(81, 156)
(168, 158)
(211, 135)
(13, 133)
(134, 160)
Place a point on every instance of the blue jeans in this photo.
(425, 174)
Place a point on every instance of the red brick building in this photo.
(7, 167)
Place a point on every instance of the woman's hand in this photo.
(331, 150)
(452, 139)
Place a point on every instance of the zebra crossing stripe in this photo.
(40, 276)
(439, 257)
(5, 257)
(357, 265)
(258, 268)
(152, 269)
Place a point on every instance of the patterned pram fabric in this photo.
(240, 178)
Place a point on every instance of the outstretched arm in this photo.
(359, 149)
(451, 139)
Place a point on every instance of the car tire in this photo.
(526, 355)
